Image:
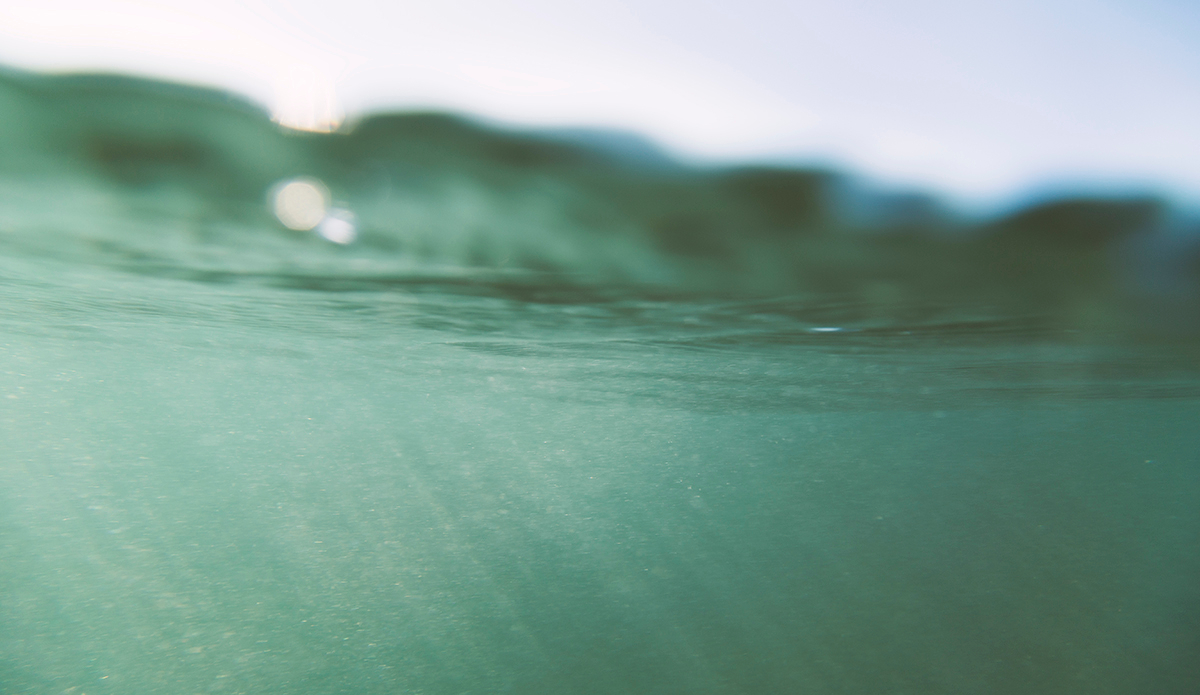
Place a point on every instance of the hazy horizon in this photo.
(983, 104)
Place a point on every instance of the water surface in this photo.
(240, 459)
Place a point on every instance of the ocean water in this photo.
(559, 415)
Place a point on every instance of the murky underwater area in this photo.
(253, 487)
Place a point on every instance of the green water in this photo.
(224, 489)
(235, 459)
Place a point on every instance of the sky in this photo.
(979, 100)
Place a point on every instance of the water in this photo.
(492, 449)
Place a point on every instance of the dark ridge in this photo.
(437, 139)
(1079, 223)
(624, 149)
(784, 200)
(76, 87)
(141, 161)
(601, 207)
(142, 132)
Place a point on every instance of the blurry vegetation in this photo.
(449, 190)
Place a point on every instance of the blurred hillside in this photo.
(585, 208)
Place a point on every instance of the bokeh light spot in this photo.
(301, 204)
(338, 226)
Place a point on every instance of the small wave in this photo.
(175, 181)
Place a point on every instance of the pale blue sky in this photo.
(982, 99)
